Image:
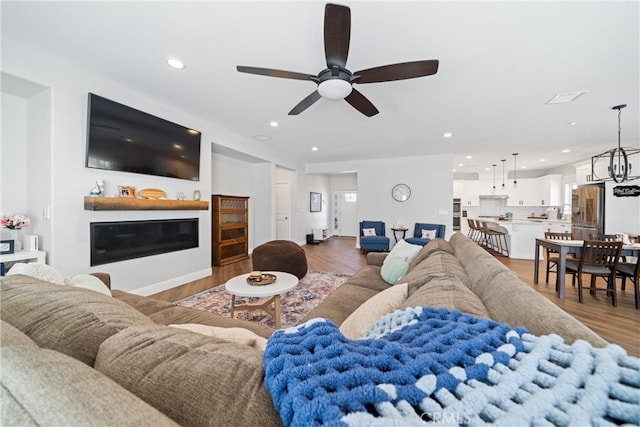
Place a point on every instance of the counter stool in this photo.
(495, 239)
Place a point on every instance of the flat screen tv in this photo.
(121, 138)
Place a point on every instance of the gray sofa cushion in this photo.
(433, 246)
(71, 320)
(341, 303)
(194, 379)
(448, 293)
(439, 264)
(46, 388)
(13, 337)
(511, 301)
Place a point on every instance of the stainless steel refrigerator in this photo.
(587, 211)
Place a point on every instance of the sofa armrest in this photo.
(105, 277)
(376, 258)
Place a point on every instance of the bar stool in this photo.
(495, 239)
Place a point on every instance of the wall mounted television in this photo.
(121, 138)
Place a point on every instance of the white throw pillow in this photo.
(237, 335)
(88, 281)
(429, 234)
(368, 231)
(39, 271)
(405, 250)
(385, 302)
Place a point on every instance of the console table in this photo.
(27, 256)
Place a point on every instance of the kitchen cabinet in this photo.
(470, 194)
(230, 238)
(524, 193)
(556, 226)
(583, 173)
(458, 185)
(549, 190)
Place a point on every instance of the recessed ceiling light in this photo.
(448, 135)
(262, 137)
(454, 170)
(571, 123)
(314, 148)
(566, 150)
(460, 164)
(541, 160)
(274, 124)
(523, 167)
(175, 63)
(469, 157)
(487, 169)
(562, 98)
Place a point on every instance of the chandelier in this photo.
(618, 161)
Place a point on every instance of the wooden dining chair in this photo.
(629, 270)
(598, 258)
(552, 256)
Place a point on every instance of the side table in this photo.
(397, 230)
(238, 286)
(27, 256)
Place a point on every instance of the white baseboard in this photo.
(172, 283)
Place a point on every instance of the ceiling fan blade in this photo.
(361, 103)
(337, 34)
(402, 71)
(305, 103)
(275, 73)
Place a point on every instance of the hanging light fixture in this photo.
(515, 181)
(619, 159)
(494, 177)
(503, 160)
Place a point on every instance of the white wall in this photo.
(621, 214)
(318, 183)
(430, 179)
(13, 156)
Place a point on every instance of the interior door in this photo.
(283, 211)
(345, 221)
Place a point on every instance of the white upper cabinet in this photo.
(470, 193)
(524, 193)
(458, 185)
(550, 190)
(583, 173)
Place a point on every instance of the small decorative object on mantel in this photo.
(126, 191)
(98, 189)
(196, 195)
(626, 190)
(152, 193)
(14, 223)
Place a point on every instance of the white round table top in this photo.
(284, 282)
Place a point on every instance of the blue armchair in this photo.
(379, 242)
(417, 233)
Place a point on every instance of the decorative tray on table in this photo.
(264, 279)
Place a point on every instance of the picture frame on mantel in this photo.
(315, 202)
(6, 247)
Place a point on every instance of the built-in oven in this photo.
(457, 209)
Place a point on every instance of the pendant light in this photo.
(503, 160)
(619, 162)
(515, 181)
(494, 177)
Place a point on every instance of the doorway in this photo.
(345, 222)
(283, 211)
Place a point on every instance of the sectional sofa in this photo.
(73, 356)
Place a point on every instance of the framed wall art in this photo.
(316, 202)
(6, 247)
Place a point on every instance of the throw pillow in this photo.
(368, 231)
(88, 281)
(428, 234)
(238, 335)
(405, 250)
(39, 271)
(383, 303)
(393, 269)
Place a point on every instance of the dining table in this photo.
(565, 247)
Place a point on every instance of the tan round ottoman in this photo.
(280, 255)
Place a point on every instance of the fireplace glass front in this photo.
(122, 240)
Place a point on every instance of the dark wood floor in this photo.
(619, 325)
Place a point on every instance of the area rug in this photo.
(296, 304)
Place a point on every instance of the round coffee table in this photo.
(238, 286)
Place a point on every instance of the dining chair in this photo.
(552, 256)
(598, 258)
(610, 238)
(629, 270)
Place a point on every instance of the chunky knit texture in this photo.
(426, 365)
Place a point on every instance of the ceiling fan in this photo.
(336, 81)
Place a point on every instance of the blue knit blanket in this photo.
(426, 366)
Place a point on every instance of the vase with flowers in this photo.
(14, 223)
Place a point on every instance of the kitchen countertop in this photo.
(522, 220)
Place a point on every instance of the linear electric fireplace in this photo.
(119, 241)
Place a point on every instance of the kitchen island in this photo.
(522, 233)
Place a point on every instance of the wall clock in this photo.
(401, 192)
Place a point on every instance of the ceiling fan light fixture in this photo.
(335, 89)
